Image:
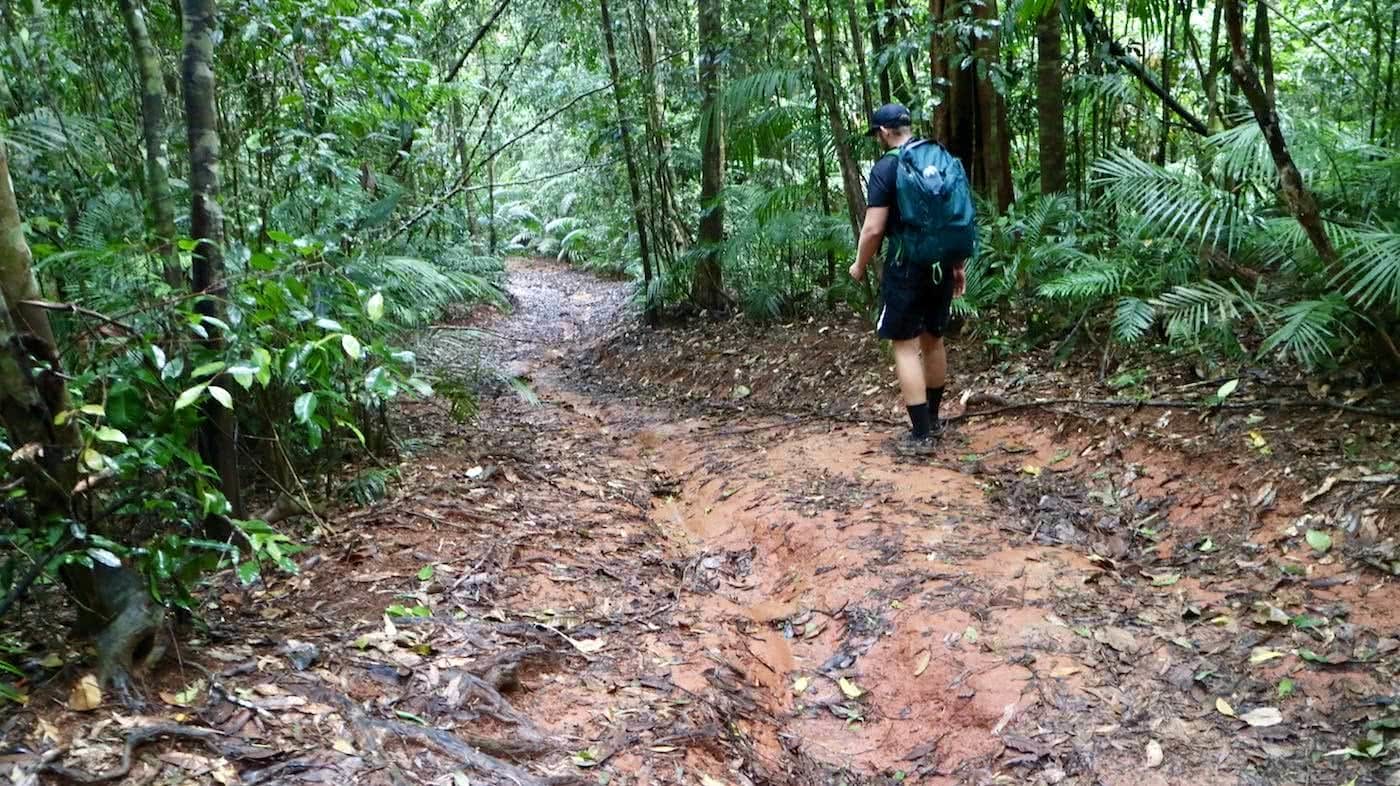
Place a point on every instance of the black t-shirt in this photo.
(880, 193)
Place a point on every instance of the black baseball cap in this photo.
(889, 116)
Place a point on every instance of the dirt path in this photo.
(596, 589)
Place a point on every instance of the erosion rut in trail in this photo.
(593, 585)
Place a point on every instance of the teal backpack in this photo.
(935, 206)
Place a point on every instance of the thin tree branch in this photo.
(1095, 30)
(74, 308)
(476, 39)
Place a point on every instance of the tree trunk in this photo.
(1263, 48)
(1050, 100)
(850, 174)
(634, 181)
(1167, 51)
(858, 47)
(217, 437)
(113, 602)
(707, 288)
(1295, 194)
(671, 239)
(993, 134)
(153, 130)
(877, 45)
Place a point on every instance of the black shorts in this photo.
(914, 300)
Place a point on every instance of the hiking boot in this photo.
(910, 445)
(937, 428)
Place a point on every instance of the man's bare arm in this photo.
(871, 233)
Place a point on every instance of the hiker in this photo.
(919, 202)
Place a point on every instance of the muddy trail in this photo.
(601, 582)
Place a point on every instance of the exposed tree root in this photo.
(135, 739)
(474, 751)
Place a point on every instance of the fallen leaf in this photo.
(850, 689)
(1262, 655)
(86, 695)
(1154, 753)
(706, 780)
(588, 646)
(1117, 638)
(921, 663)
(1263, 716)
(1032, 470)
(344, 746)
(742, 391)
(1223, 707)
(1320, 490)
(800, 685)
(1320, 541)
(1166, 579)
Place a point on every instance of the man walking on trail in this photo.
(924, 267)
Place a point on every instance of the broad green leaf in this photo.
(208, 369)
(93, 460)
(425, 573)
(1226, 389)
(109, 434)
(158, 356)
(243, 374)
(304, 407)
(351, 345)
(329, 324)
(248, 572)
(105, 557)
(94, 409)
(222, 396)
(190, 396)
(374, 308)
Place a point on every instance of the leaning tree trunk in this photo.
(850, 174)
(153, 130)
(113, 603)
(218, 444)
(634, 180)
(1295, 194)
(1050, 100)
(707, 289)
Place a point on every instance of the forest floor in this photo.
(695, 560)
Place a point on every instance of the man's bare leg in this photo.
(935, 367)
(935, 360)
(909, 368)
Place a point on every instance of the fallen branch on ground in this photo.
(1128, 403)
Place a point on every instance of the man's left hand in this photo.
(959, 281)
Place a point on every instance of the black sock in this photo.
(919, 420)
(935, 401)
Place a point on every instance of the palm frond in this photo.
(1371, 269)
(1132, 318)
(1308, 330)
(1176, 203)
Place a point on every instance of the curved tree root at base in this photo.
(135, 739)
